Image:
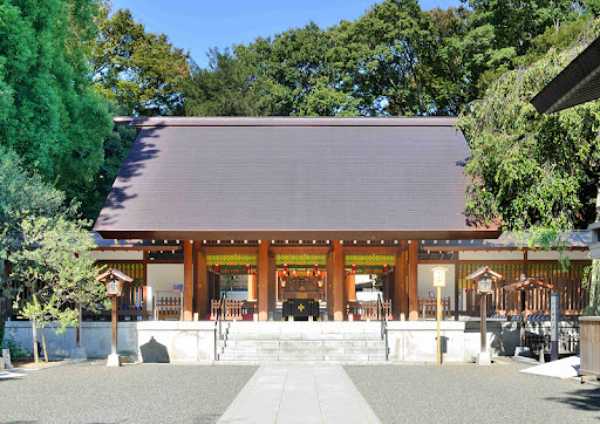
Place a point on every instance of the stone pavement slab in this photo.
(299, 393)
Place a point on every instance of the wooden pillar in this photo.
(400, 300)
(413, 260)
(201, 285)
(188, 280)
(252, 287)
(263, 280)
(350, 288)
(337, 256)
(456, 292)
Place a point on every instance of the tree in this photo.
(530, 170)
(49, 113)
(55, 270)
(51, 271)
(140, 71)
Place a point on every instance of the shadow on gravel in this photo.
(584, 400)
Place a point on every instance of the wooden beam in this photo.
(252, 295)
(231, 250)
(350, 288)
(413, 260)
(188, 280)
(201, 281)
(263, 270)
(400, 301)
(301, 250)
(337, 254)
(370, 250)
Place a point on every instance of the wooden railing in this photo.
(369, 310)
(428, 307)
(231, 310)
(168, 307)
(502, 302)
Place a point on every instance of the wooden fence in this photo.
(502, 302)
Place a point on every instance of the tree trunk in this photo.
(36, 356)
(44, 348)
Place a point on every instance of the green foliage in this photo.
(140, 71)
(17, 352)
(49, 113)
(530, 170)
(52, 271)
(396, 59)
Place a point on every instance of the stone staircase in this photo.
(319, 341)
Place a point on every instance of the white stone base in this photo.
(113, 360)
(484, 358)
(6, 361)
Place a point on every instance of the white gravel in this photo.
(92, 393)
(470, 394)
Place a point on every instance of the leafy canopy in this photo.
(531, 170)
(49, 113)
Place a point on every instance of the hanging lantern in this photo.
(217, 268)
(285, 270)
(386, 268)
(353, 268)
(248, 269)
(316, 271)
(294, 273)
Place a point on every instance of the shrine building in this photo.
(274, 215)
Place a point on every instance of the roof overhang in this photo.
(578, 83)
(374, 235)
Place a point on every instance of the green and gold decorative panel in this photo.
(300, 259)
(369, 260)
(236, 260)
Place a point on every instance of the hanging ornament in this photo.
(385, 268)
(217, 268)
(353, 268)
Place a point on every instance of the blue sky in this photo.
(197, 25)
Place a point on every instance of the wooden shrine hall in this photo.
(316, 213)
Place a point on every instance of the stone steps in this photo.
(343, 342)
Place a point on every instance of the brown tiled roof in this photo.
(292, 177)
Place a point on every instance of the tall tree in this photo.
(142, 72)
(49, 113)
(531, 170)
(48, 249)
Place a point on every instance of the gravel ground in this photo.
(467, 393)
(92, 393)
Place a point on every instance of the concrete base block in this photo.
(113, 360)
(7, 363)
(78, 354)
(484, 358)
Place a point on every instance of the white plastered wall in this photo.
(425, 281)
(486, 255)
(117, 255)
(164, 276)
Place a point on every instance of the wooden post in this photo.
(438, 325)
(456, 292)
(201, 286)
(251, 288)
(338, 281)
(114, 319)
(483, 322)
(400, 303)
(263, 280)
(413, 301)
(350, 288)
(188, 280)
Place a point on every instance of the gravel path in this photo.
(466, 393)
(92, 393)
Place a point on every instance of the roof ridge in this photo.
(160, 121)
